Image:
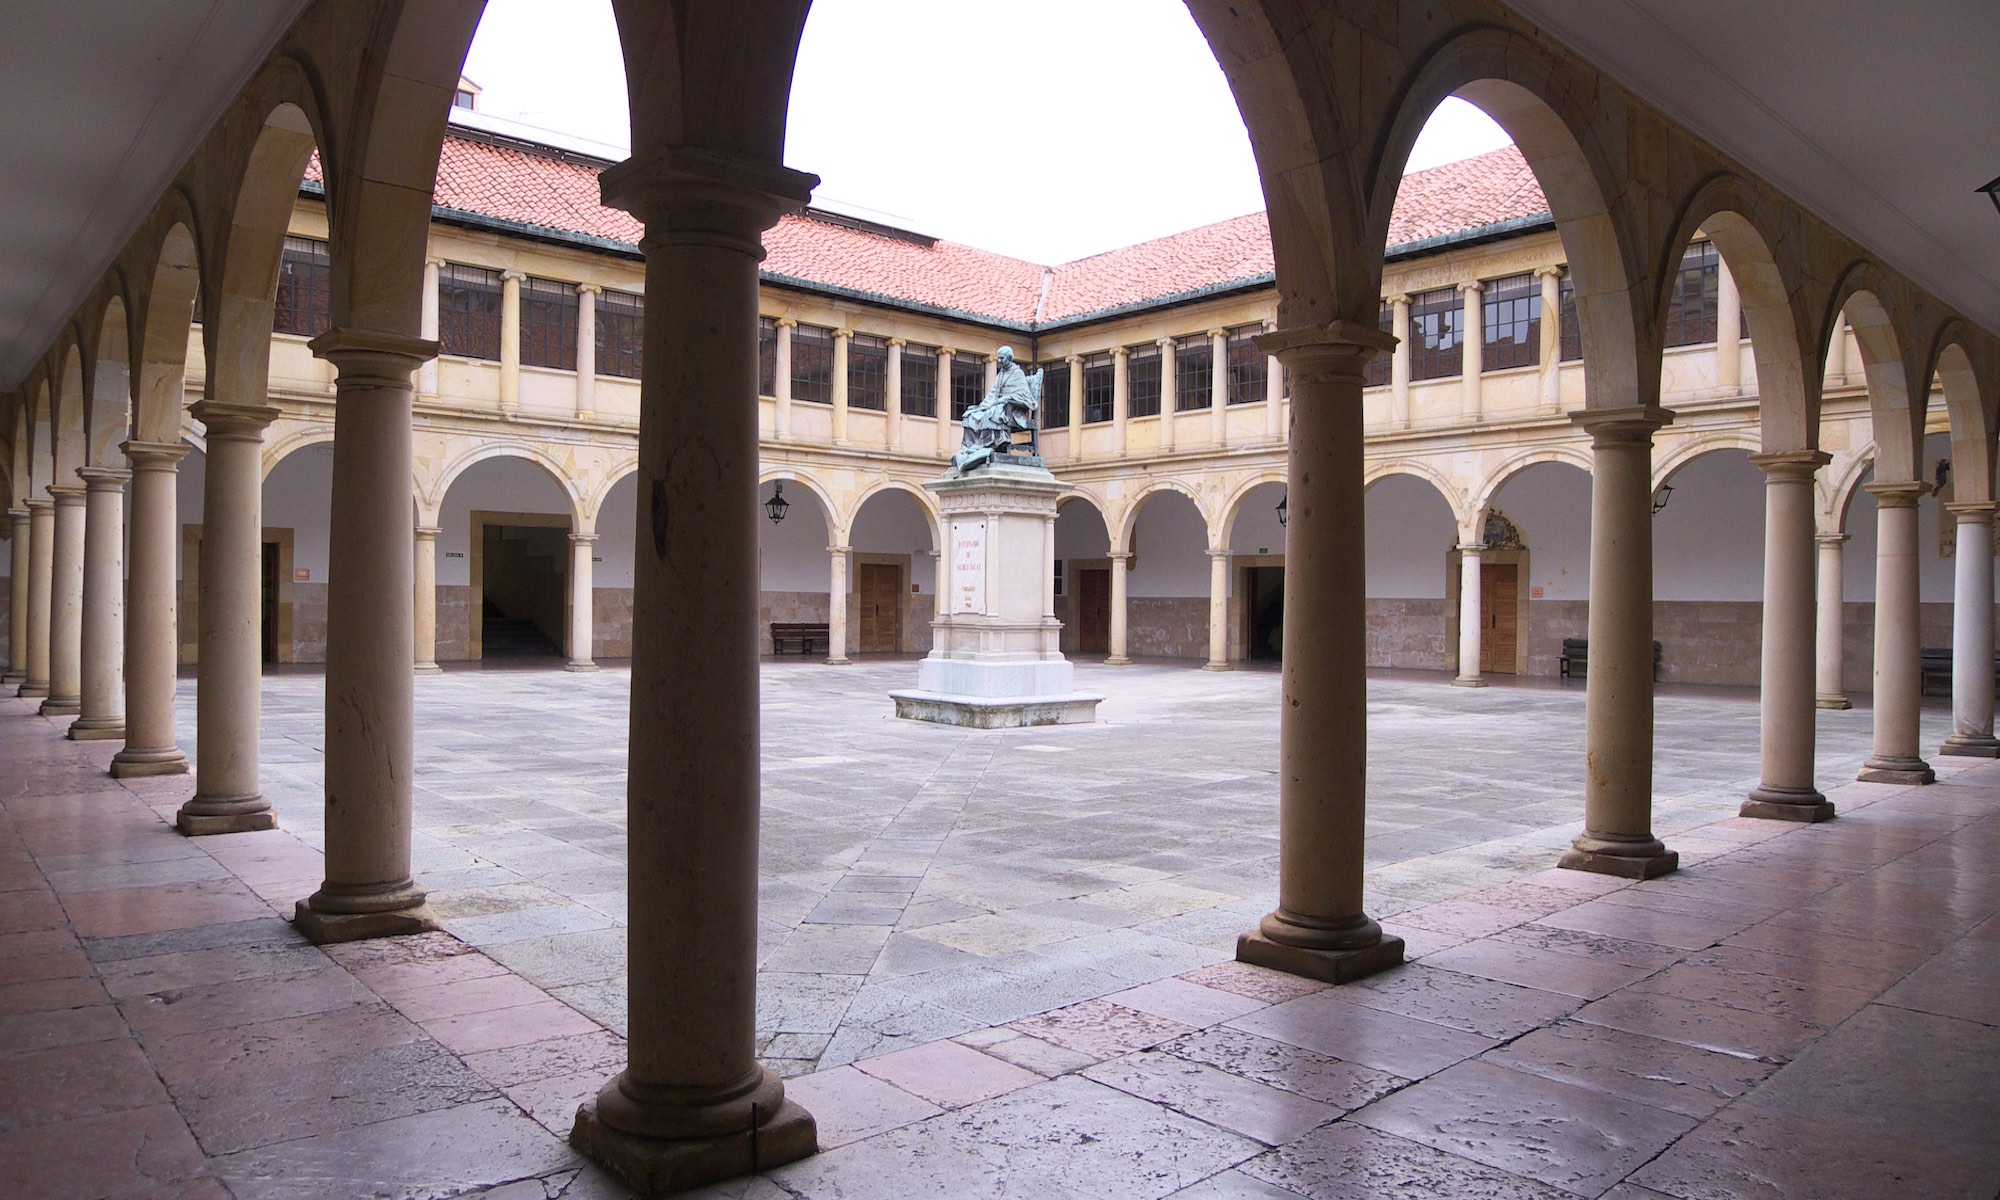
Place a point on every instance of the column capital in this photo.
(589, 289)
(355, 350)
(1554, 271)
(19, 515)
(582, 539)
(34, 504)
(510, 275)
(1121, 352)
(898, 343)
(1627, 425)
(1898, 495)
(1339, 350)
(1122, 557)
(1472, 548)
(1792, 466)
(683, 191)
(1218, 332)
(840, 549)
(1471, 287)
(103, 479)
(1831, 539)
(843, 333)
(1222, 553)
(67, 495)
(154, 455)
(1165, 343)
(239, 422)
(787, 322)
(426, 533)
(947, 351)
(433, 262)
(1972, 512)
(1398, 298)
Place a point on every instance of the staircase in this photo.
(502, 636)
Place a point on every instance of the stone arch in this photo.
(1840, 490)
(1897, 407)
(1453, 495)
(41, 459)
(69, 436)
(162, 325)
(1121, 526)
(1687, 451)
(1972, 408)
(594, 500)
(1232, 505)
(434, 496)
(1575, 456)
(108, 418)
(836, 526)
(924, 499)
(278, 451)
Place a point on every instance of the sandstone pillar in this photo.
(1218, 611)
(102, 711)
(836, 606)
(582, 612)
(1972, 634)
(151, 614)
(843, 346)
(1319, 928)
(427, 325)
(892, 397)
(1898, 644)
(1274, 391)
(1836, 351)
(229, 679)
(947, 445)
(1169, 402)
(1471, 348)
(1829, 691)
(1399, 362)
(1121, 399)
(1785, 788)
(510, 340)
(1218, 386)
(1075, 363)
(1120, 564)
(586, 350)
(1471, 619)
(781, 412)
(1728, 332)
(1617, 837)
(17, 611)
(693, 1104)
(1549, 377)
(66, 603)
(41, 546)
(424, 599)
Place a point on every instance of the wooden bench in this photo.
(808, 636)
(1575, 659)
(1937, 670)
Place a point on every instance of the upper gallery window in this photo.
(468, 311)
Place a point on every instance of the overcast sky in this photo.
(1043, 129)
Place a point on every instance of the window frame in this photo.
(967, 383)
(1100, 386)
(1502, 305)
(1437, 334)
(1194, 373)
(1249, 369)
(1144, 380)
(545, 343)
(918, 391)
(621, 334)
(469, 304)
(303, 303)
(812, 364)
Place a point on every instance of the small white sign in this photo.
(968, 566)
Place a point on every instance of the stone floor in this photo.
(996, 964)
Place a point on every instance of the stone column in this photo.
(510, 340)
(892, 399)
(1169, 401)
(1898, 640)
(782, 411)
(836, 606)
(1728, 332)
(1218, 611)
(692, 1104)
(1121, 398)
(1399, 362)
(1836, 351)
(17, 645)
(586, 350)
(1120, 564)
(1550, 375)
(843, 340)
(229, 679)
(582, 612)
(1471, 349)
(1471, 620)
(17, 611)
(1617, 836)
(1274, 392)
(66, 604)
(1785, 788)
(427, 319)
(102, 714)
(1218, 386)
(1830, 640)
(1075, 406)
(152, 605)
(370, 667)
(1320, 928)
(424, 598)
(41, 549)
(947, 442)
(1972, 634)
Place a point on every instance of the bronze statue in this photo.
(1012, 403)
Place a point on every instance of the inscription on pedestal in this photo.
(968, 566)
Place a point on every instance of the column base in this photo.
(96, 729)
(1805, 805)
(62, 706)
(1909, 771)
(32, 689)
(325, 919)
(581, 668)
(203, 816)
(1831, 701)
(13, 679)
(1971, 745)
(1216, 666)
(664, 1166)
(1468, 681)
(429, 668)
(839, 662)
(1327, 966)
(1117, 660)
(1626, 858)
(137, 764)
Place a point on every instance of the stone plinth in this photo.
(996, 658)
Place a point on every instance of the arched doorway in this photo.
(503, 563)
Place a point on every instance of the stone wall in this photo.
(1167, 627)
(454, 622)
(308, 623)
(611, 623)
(1409, 634)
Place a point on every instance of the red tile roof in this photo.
(547, 192)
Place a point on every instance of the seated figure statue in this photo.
(1012, 403)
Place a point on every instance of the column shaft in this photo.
(1120, 564)
(1075, 407)
(582, 597)
(102, 711)
(1471, 618)
(1972, 634)
(843, 344)
(586, 350)
(152, 614)
(1898, 640)
(66, 603)
(1399, 362)
(1169, 402)
(1471, 350)
(1121, 398)
(510, 340)
(1218, 386)
(1550, 376)
(1728, 331)
(427, 326)
(41, 551)
(1785, 788)
(947, 445)
(781, 413)
(423, 601)
(1274, 393)
(836, 606)
(1830, 640)
(1218, 611)
(17, 611)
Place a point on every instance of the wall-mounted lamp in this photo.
(1992, 191)
(1943, 475)
(1661, 497)
(1284, 508)
(777, 506)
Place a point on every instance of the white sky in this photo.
(971, 120)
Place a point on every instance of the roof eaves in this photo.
(836, 291)
(1210, 291)
(1470, 237)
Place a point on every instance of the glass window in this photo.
(1437, 331)
(1099, 379)
(1194, 373)
(1249, 368)
(621, 331)
(968, 383)
(1381, 368)
(1513, 320)
(867, 373)
(1055, 395)
(767, 357)
(468, 311)
(1691, 308)
(548, 324)
(1572, 333)
(812, 364)
(919, 398)
(1142, 381)
(305, 289)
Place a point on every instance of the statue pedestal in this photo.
(996, 656)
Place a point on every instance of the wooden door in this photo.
(878, 596)
(1499, 607)
(1093, 610)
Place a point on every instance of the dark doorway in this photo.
(269, 605)
(523, 583)
(1093, 610)
(1267, 613)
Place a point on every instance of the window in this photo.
(1381, 368)
(1142, 381)
(1572, 333)
(1194, 373)
(1691, 309)
(812, 364)
(548, 324)
(867, 373)
(468, 311)
(1055, 395)
(1059, 577)
(1513, 323)
(305, 289)
(621, 331)
(767, 357)
(463, 98)
(1248, 367)
(968, 384)
(919, 398)
(1099, 378)
(1437, 330)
